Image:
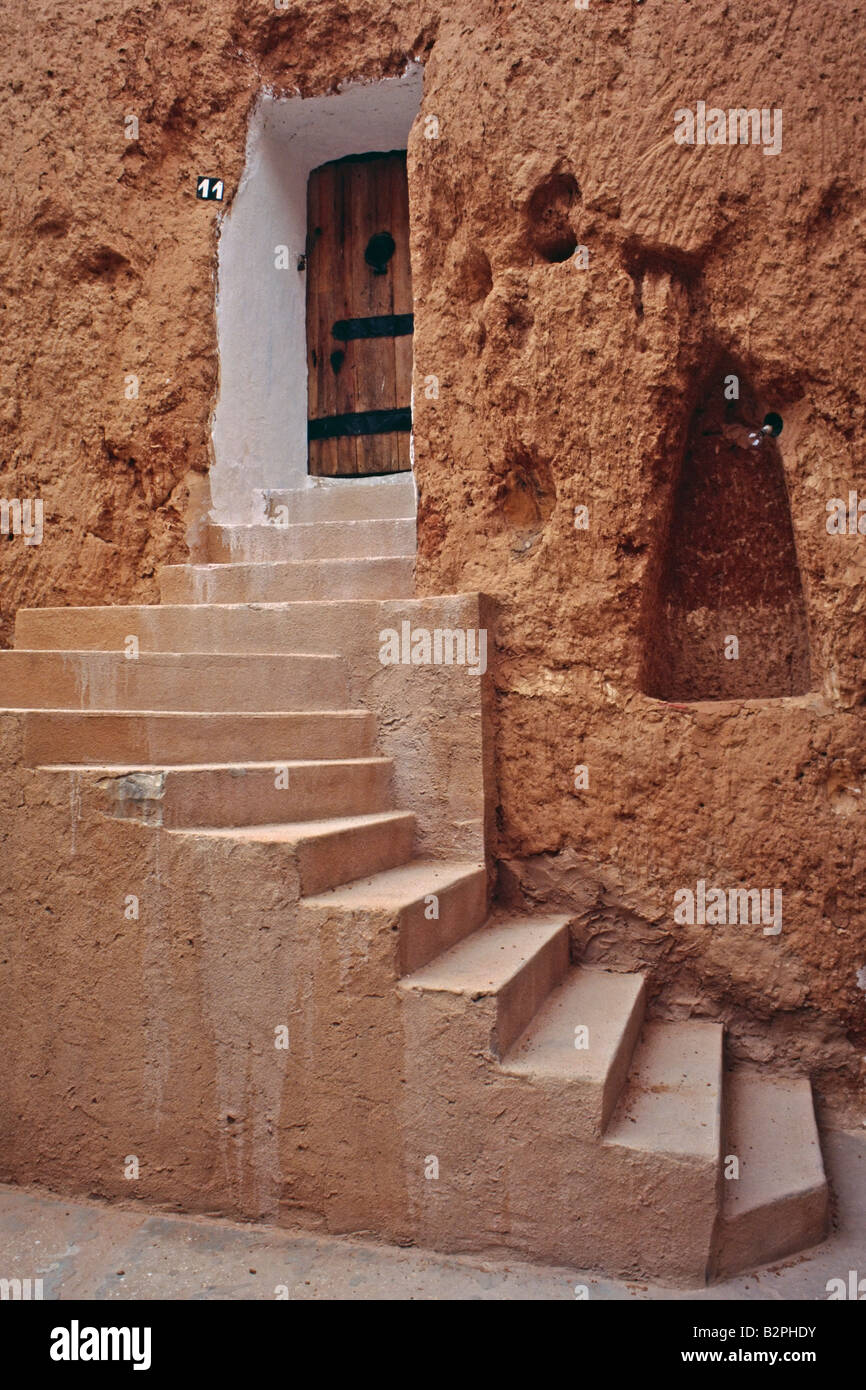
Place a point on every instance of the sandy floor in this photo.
(89, 1250)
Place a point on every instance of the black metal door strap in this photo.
(361, 422)
(380, 326)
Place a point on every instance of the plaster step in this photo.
(351, 499)
(780, 1201)
(288, 581)
(334, 540)
(610, 1007)
(165, 738)
(325, 626)
(407, 896)
(204, 681)
(329, 852)
(514, 962)
(671, 1104)
(238, 794)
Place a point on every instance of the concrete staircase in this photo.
(529, 1103)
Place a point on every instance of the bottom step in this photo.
(779, 1204)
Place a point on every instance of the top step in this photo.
(339, 499)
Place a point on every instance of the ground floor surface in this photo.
(90, 1250)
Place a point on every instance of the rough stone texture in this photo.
(559, 387)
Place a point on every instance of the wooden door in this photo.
(359, 316)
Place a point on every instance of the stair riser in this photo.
(779, 1202)
(161, 740)
(610, 1091)
(351, 501)
(611, 1009)
(334, 541)
(341, 857)
(516, 1172)
(222, 798)
(773, 1232)
(462, 910)
(43, 680)
(326, 627)
(288, 583)
(523, 996)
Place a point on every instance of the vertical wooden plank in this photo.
(376, 371)
(322, 453)
(350, 201)
(402, 301)
(315, 451)
(356, 175)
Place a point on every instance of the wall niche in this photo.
(728, 567)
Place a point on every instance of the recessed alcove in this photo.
(728, 565)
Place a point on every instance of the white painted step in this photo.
(345, 499)
(289, 581)
(335, 540)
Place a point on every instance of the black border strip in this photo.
(361, 422)
(379, 326)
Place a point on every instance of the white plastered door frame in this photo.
(259, 427)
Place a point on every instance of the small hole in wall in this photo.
(526, 494)
(773, 423)
(549, 217)
(727, 616)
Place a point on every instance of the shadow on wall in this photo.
(727, 619)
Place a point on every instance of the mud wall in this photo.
(584, 286)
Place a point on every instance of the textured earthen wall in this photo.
(563, 383)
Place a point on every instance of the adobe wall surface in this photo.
(560, 387)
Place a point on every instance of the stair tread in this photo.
(271, 526)
(268, 765)
(220, 714)
(292, 832)
(250, 605)
(400, 479)
(485, 961)
(672, 1098)
(160, 657)
(216, 567)
(398, 887)
(771, 1128)
(602, 1001)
